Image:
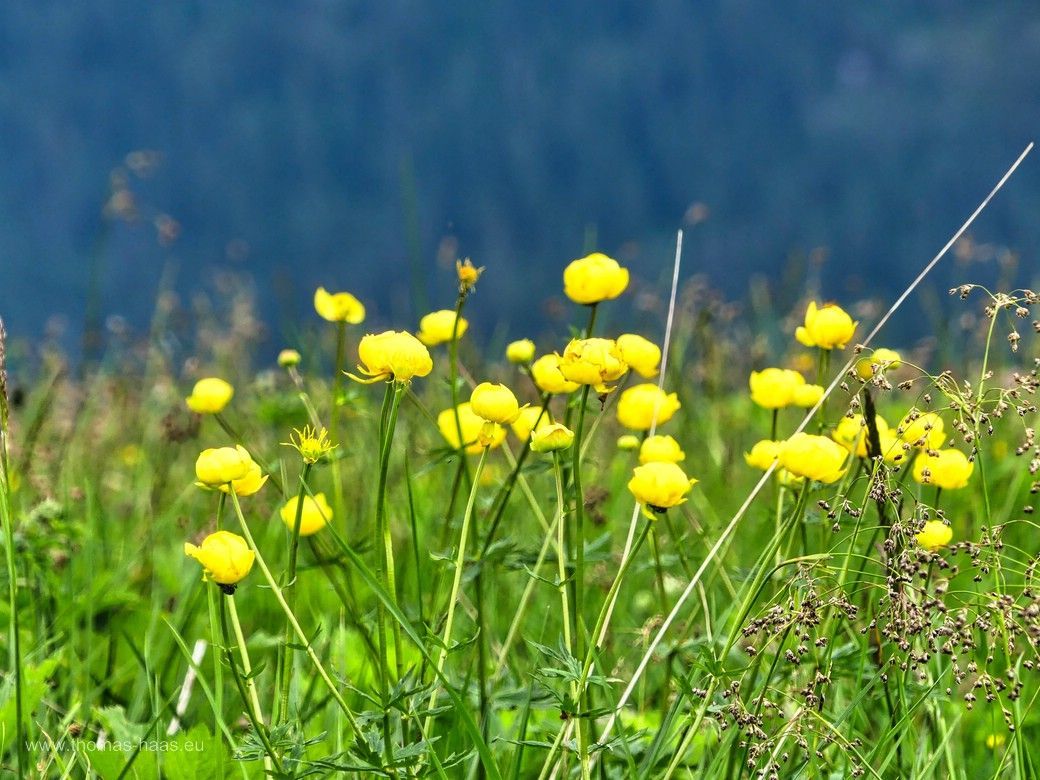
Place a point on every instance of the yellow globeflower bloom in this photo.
(628, 442)
(661, 449)
(225, 557)
(638, 404)
(826, 327)
(530, 417)
(815, 457)
(763, 454)
(338, 307)
(879, 361)
(774, 388)
(935, 535)
(641, 354)
(288, 358)
(851, 433)
(806, 396)
(392, 355)
(471, 424)
(547, 375)
(924, 431)
(948, 469)
(495, 403)
(437, 327)
(314, 516)
(209, 396)
(253, 480)
(594, 278)
(520, 351)
(552, 437)
(593, 362)
(220, 465)
(660, 486)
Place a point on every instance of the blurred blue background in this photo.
(364, 146)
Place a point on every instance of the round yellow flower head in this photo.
(660, 486)
(219, 466)
(763, 454)
(251, 483)
(494, 403)
(314, 516)
(225, 558)
(826, 327)
(806, 396)
(593, 362)
(924, 431)
(851, 433)
(338, 307)
(594, 278)
(392, 355)
(628, 442)
(642, 355)
(774, 388)
(879, 361)
(530, 418)
(471, 424)
(815, 457)
(520, 352)
(209, 396)
(660, 449)
(948, 469)
(546, 373)
(288, 358)
(935, 535)
(437, 327)
(551, 438)
(637, 406)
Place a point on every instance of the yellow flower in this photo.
(592, 362)
(935, 535)
(638, 405)
(547, 375)
(338, 307)
(471, 424)
(826, 327)
(312, 444)
(225, 557)
(436, 327)
(815, 457)
(851, 433)
(948, 469)
(995, 741)
(641, 354)
(628, 442)
(494, 403)
(552, 437)
(594, 278)
(893, 449)
(774, 388)
(660, 486)
(521, 351)
(924, 431)
(763, 454)
(879, 361)
(468, 274)
(219, 466)
(314, 516)
(806, 396)
(253, 480)
(288, 358)
(660, 449)
(209, 396)
(524, 425)
(393, 355)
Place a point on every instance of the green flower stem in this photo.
(15, 646)
(394, 391)
(460, 561)
(277, 591)
(305, 399)
(339, 507)
(285, 654)
(561, 553)
(579, 523)
(453, 368)
(218, 669)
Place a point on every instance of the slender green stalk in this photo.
(7, 516)
(394, 391)
(334, 415)
(561, 553)
(285, 653)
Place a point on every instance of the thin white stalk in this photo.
(197, 654)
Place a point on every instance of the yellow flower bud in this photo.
(530, 418)
(660, 486)
(251, 483)
(468, 274)
(641, 354)
(879, 361)
(552, 437)
(288, 358)
(315, 514)
(392, 355)
(594, 278)
(471, 424)
(814, 457)
(628, 442)
(219, 466)
(494, 403)
(437, 327)
(948, 469)
(852, 434)
(660, 449)
(806, 396)
(209, 396)
(520, 352)
(774, 388)
(763, 454)
(592, 362)
(924, 431)
(225, 557)
(338, 307)
(638, 406)
(547, 375)
(935, 535)
(826, 327)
